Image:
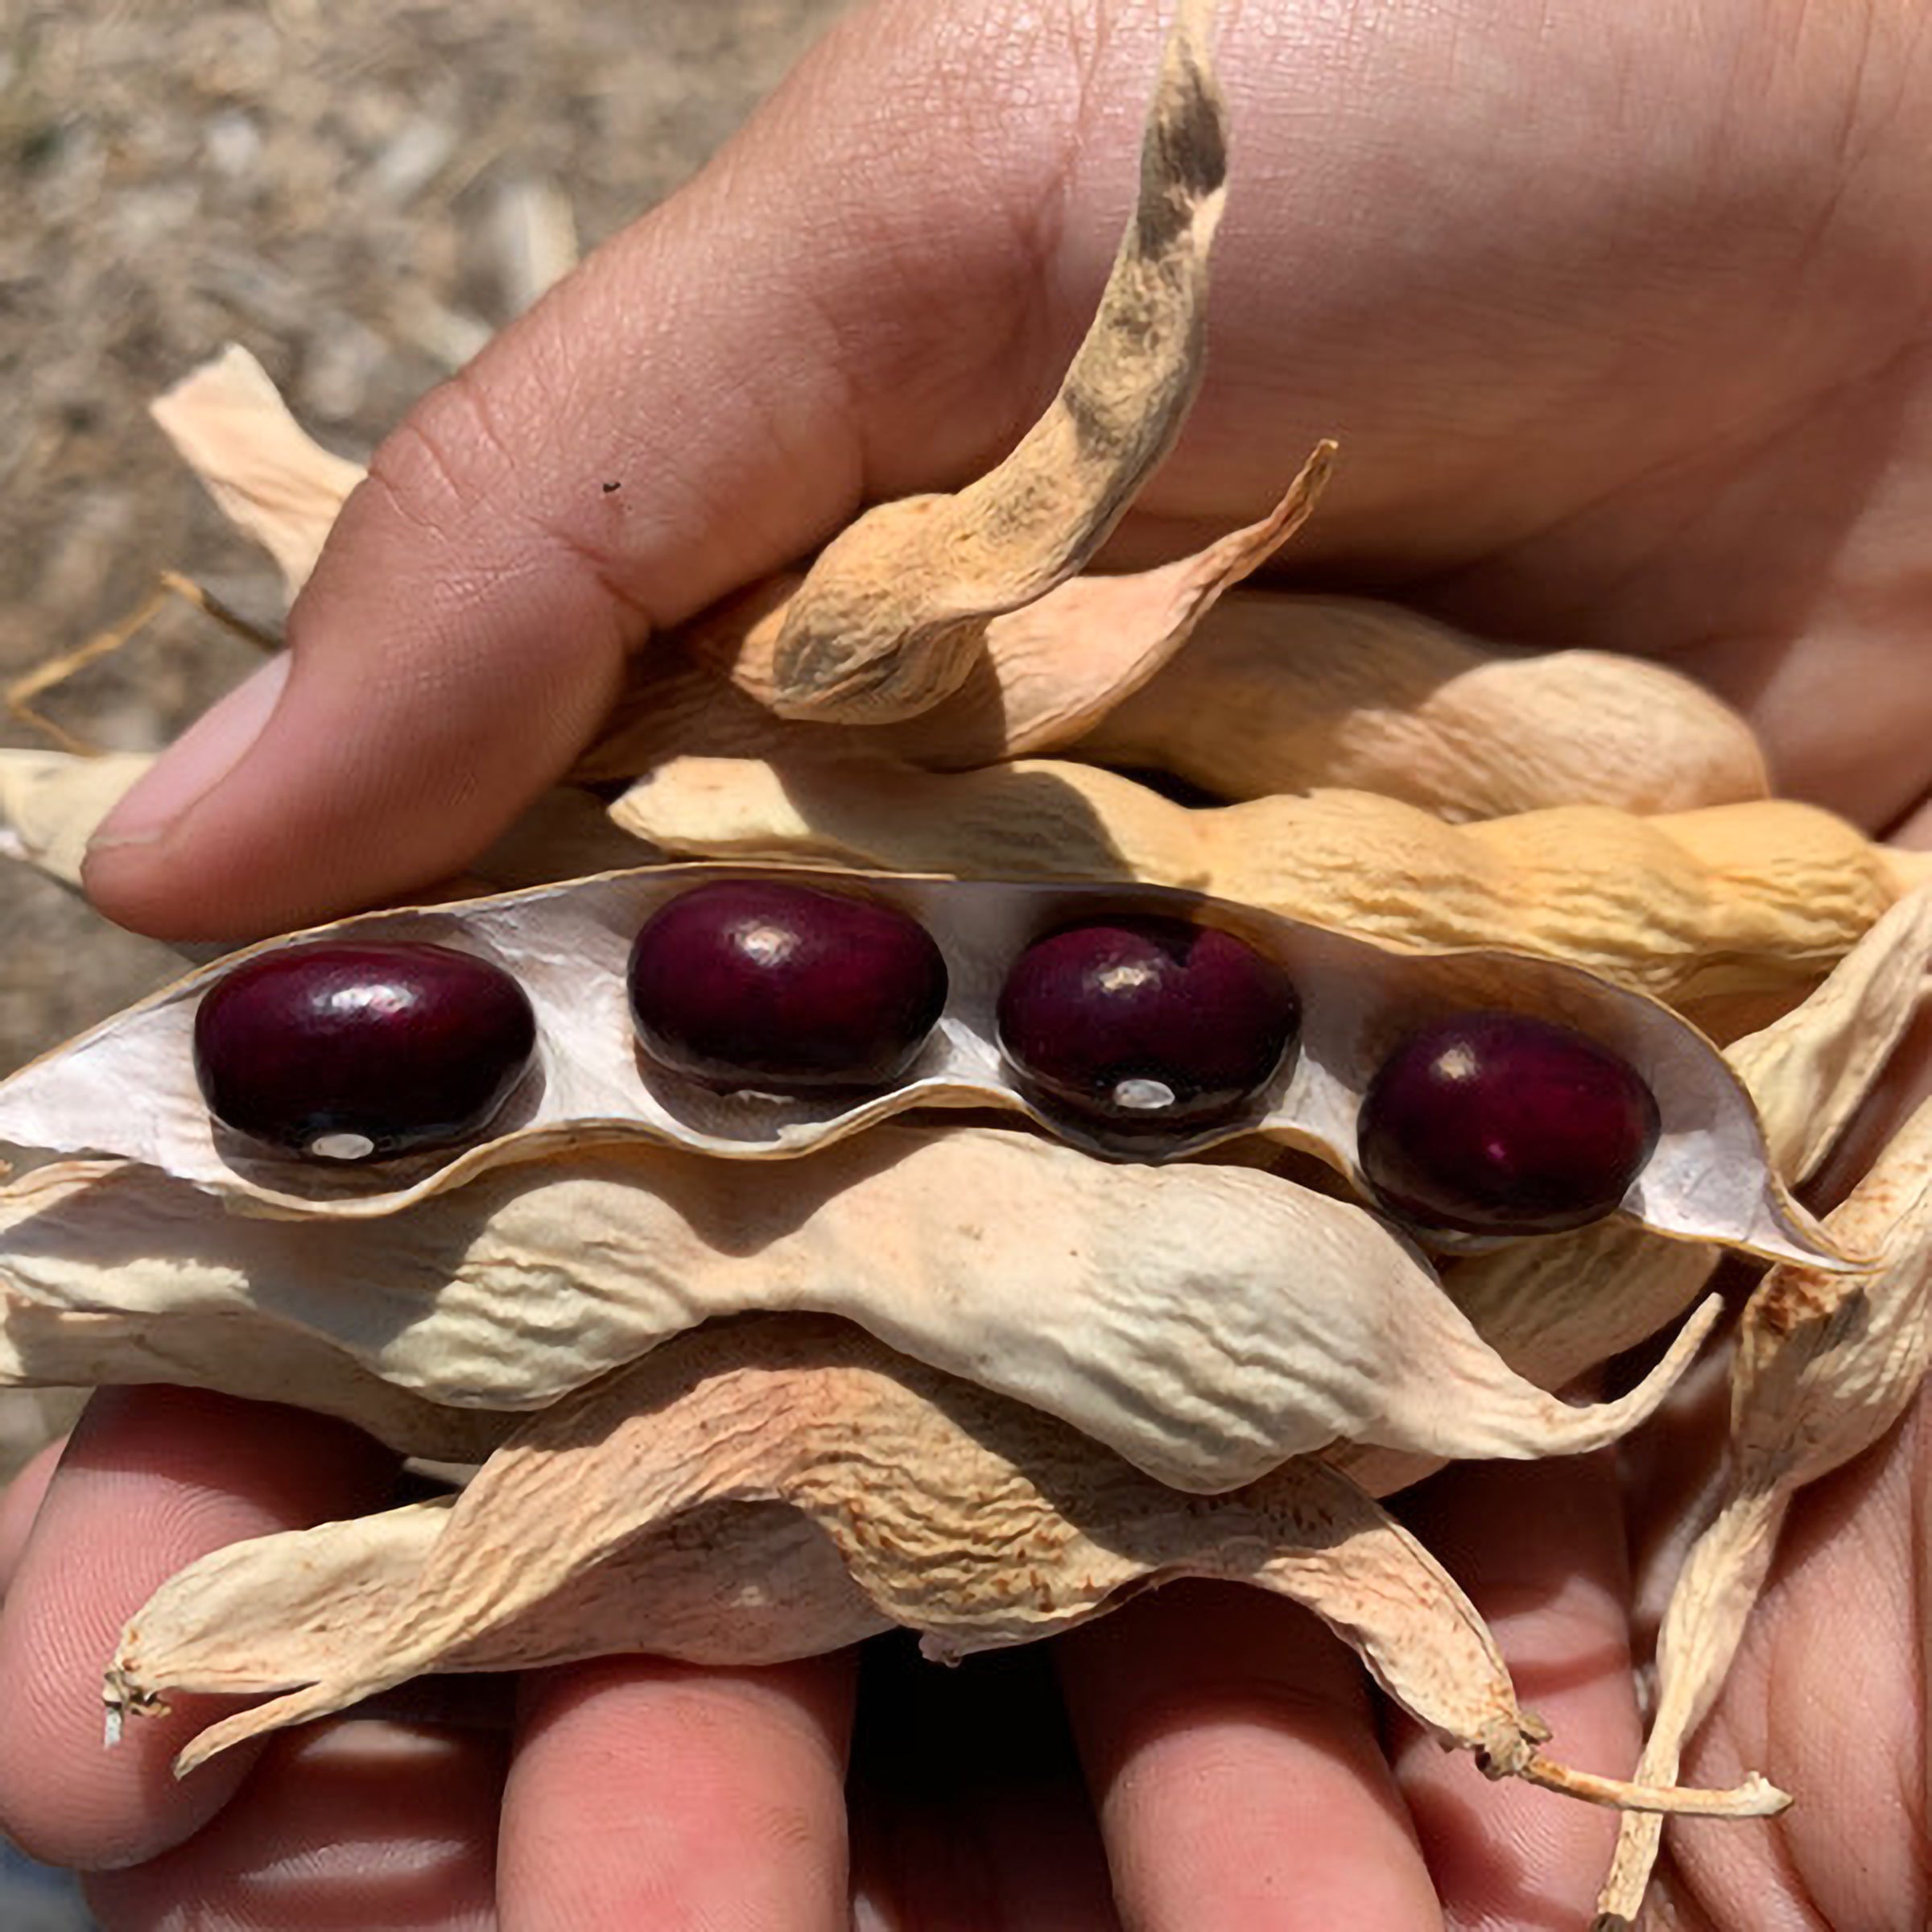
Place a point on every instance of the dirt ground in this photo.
(359, 193)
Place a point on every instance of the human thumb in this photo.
(704, 399)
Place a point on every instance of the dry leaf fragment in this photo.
(955, 1514)
(51, 802)
(567, 946)
(892, 615)
(269, 477)
(1824, 1368)
(1684, 905)
(1204, 1321)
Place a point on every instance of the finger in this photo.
(345, 1825)
(20, 1504)
(698, 404)
(1539, 1547)
(644, 1793)
(1233, 1751)
(969, 1812)
(151, 1479)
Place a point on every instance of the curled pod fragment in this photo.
(891, 617)
(1760, 896)
(935, 1506)
(568, 946)
(1206, 1322)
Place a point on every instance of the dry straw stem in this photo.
(1737, 899)
(892, 616)
(955, 1514)
(1555, 1307)
(23, 693)
(567, 946)
(1824, 1367)
(1204, 1321)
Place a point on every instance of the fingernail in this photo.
(197, 762)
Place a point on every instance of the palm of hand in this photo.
(1565, 418)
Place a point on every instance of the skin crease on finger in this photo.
(1621, 333)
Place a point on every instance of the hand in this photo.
(1621, 330)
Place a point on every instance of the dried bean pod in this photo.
(1685, 905)
(567, 946)
(902, 1471)
(1046, 670)
(1204, 1321)
(1824, 1367)
(1276, 693)
(891, 617)
(50, 802)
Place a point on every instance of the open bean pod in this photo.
(568, 946)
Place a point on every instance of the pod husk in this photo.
(1729, 899)
(1204, 1321)
(891, 617)
(904, 1472)
(1555, 1306)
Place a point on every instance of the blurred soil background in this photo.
(360, 194)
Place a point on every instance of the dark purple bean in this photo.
(1495, 1123)
(1146, 1022)
(758, 984)
(359, 1052)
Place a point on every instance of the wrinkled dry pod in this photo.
(567, 946)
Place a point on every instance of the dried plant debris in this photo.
(270, 477)
(51, 801)
(891, 617)
(953, 1513)
(568, 948)
(1824, 1367)
(1763, 896)
(1205, 1322)
(1273, 693)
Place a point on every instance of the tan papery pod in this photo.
(1274, 693)
(1729, 898)
(1204, 1321)
(974, 1522)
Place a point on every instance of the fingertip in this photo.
(152, 1480)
